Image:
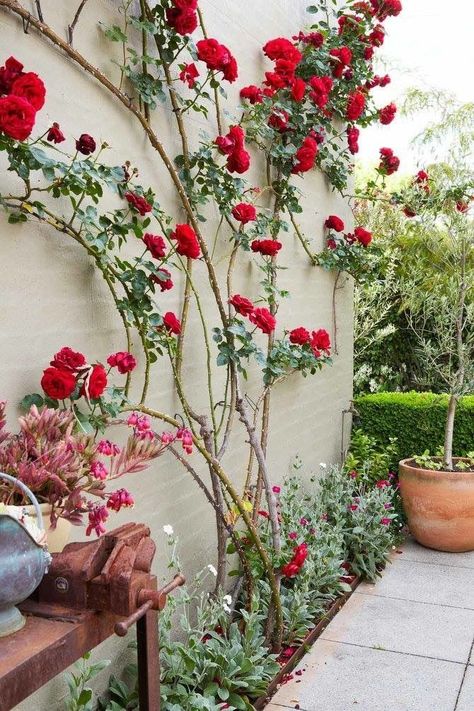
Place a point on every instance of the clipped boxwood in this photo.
(417, 421)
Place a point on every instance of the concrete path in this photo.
(403, 644)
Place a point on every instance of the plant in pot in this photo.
(437, 286)
(60, 454)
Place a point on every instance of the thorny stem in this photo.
(71, 27)
(303, 240)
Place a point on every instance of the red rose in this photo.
(172, 324)
(363, 236)
(244, 212)
(386, 8)
(186, 4)
(320, 340)
(282, 48)
(11, 71)
(389, 163)
(298, 89)
(290, 570)
(231, 70)
(335, 223)
(188, 74)
(268, 247)
(462, 206)
(387, 114)
(252, 93)
(341, 57)
(353, 139)
(408, 212)
(422, 177)
(243, 306)
(300, 336)
(138, 203)
(300, 554)
(85, 144)
(155, 244)
(17, 117)
(58, 384)
(183, 20)
(30, 87)
(187, 242)
(96, 382)
(321, 86)
(238, 161)
(217, 58)
(232, 141)
(55, 135)
(316, 39)
(275, 81)
(306, 156)
(355, 105)
(279, 120)
(263, 319)
(163, 279)
(123, 361)
(67, 359)
(377, 36)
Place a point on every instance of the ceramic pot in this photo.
(23, 562)
(439, 506)
(58, 537)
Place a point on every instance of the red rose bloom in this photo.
(58, 384)
(282, 48)
(408, 212)
(298, 89)
(85, 144)
(290, 570)
(389, 163)
(231, 70)
(67, 359)
(155, 244)
(238, 161)
(172, 324)
(183, 20)
(267, 247)
(306, 156)
(422, 177)
(300, 336)
(353, 139)
(275, 81)
(462, 206)
(244, 212)
(232, 141)
(263, 319)
(320, 340)
(387, 114)
(321, 86)
(335, 223)
(355, 106)
(163, 279)
(55, 135)
(96, 382)
(363, 236)
(341, 57)
(11, 71)
(386, 8)
(138, 203)
(252, 93)
(17, 117)
(217, 57)
(188, 74)
(30, 87)
(243, 306)
(279, 120)
(187, 242)
(123, 361)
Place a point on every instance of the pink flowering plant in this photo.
(305, 114)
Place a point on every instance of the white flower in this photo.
(212, 569)
(323, 465)
(168, 530)
(226, 601)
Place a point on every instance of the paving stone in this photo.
(414, 551)
(404, 626)
(340, 677)
(466, 697)
(422, 582)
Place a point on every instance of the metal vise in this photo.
(111, 573)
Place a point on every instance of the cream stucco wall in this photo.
(51, 296)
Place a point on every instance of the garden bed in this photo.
(299, 652)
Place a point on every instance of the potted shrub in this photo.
(438, 491)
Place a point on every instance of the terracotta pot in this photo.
(439, 506)
(58, 537)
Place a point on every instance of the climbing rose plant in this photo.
(304, 115)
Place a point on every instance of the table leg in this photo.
(148, 662)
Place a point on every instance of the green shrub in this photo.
(416, 420)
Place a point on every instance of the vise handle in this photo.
(148, 600)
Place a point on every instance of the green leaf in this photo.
(33, 399)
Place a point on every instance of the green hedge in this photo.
(416, 420)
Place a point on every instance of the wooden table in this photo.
(55, 637)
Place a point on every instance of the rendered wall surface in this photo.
(50, 295)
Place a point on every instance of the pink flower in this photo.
(385, 521)
(186, 438)
(107, 448)
(276, 489)
(303, 521)
(382, 484)
(120, 499)
(123, 361)
(98, 471)
(97, 517)
(293, 536)
(352, 507)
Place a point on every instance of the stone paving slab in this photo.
(404, 626)
(422, 582)
(414, 551)
(466, 697)
(340, 677)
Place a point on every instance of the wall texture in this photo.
(50, 295)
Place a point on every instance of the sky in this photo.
(429, 45)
